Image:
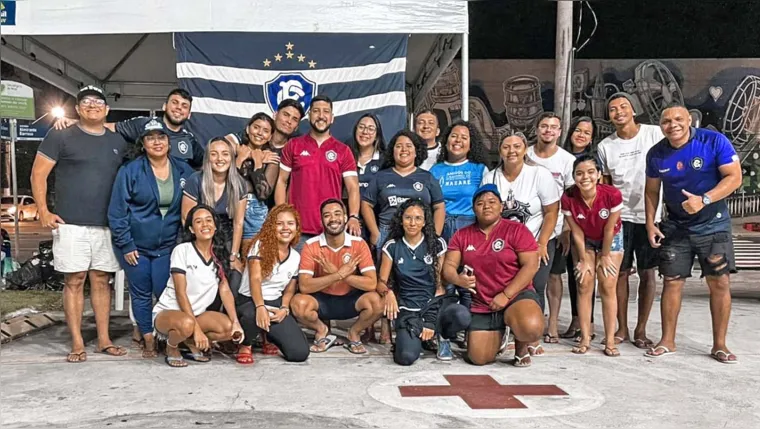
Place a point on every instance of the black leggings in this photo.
(451, 320)
(286, 335)
(573, 287)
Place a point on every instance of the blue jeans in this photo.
(146, 280)
(384, 231)
(455, 223)
(256, 212)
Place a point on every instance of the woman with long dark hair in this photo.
(269, 284)
(367, 144)
(578, 142)
(413, 254)
(197, 277)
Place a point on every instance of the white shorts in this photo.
(79, 249)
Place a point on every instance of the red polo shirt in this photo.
(316, 174)
(592, 219)
(494, 258)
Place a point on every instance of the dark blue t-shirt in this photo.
(367, 172)
(182, 144)
(194, 190)
(413, 271)
(388, 190)
(694, 168)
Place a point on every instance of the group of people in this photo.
(263, 232)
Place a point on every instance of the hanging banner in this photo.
(7, 13)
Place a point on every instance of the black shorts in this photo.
(338, 307)
(635, 241)
(680, 247)
(559, 262)
(495, 321)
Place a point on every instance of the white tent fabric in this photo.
(56, 17)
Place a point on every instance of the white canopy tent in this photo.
(126, 47)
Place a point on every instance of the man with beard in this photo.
(622, 156)
(696, 169)
(330, 288)
(318, 166)
(426, 126)
(559, 162)
(182, 143)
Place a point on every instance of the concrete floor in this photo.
(336, 389)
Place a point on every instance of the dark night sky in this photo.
(505, 29)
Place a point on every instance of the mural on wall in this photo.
(507, 95)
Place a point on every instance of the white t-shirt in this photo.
(432, 158)
(625, 161)
(282, 273)
(560, 165)
(524, 198)
(200, 278)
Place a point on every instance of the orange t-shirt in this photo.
(352, 246)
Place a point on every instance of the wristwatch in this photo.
(706, 200)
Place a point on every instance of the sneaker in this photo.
(444, 350)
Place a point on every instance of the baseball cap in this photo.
(154, 124)
(90, 90)
(490, 187)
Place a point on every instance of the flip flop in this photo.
(551, 339)
(580, 350)
(149, 354)
(199, 357)
(504, 347)
(724, 357)
(327, 342)
(356, 347)
(522, 361)
(652, 353)
(617, 340)
(534, 350)
(612, 351)
(578, 337)
(643, 343)
(120, 351)
(80, 357)
(571, 334)
(179, 362)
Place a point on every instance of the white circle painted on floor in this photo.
(479, 393)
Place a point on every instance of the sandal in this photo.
(175, 362)
(578, 338)
(522, 361)
(580, 350)
(270, 349)
(198, 356)
(724, 357)
(356, 347)
(617, 340)
(245, 357)
(652, 353)
(149, 354)
(107, 350)
(323, 344)
(75, 357)
(138, 344)
(536, 350)
(643, 343)
(612, 351)
(551, 339)
(369, 335)
(571, 333)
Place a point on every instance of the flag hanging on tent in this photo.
(232, 76)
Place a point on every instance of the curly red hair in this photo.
(267, 237)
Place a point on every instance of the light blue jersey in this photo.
(459, 182)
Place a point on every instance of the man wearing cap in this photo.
(622, 156)
(183, 143)
(86, 158)
(144, 217)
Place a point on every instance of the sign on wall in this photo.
(16, 100)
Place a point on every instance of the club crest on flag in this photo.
(290, 85)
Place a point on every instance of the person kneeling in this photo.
(422, 309)
(196, 278)
(499, 258)
(269, 283)
(330, 288)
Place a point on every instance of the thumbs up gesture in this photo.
(693, 203)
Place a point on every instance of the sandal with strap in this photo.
(175, 362)
(724, 357)
(113, 350)
(522, 361)
(536, 350)
(356, 347)
(323, 344)
(75, 357)
(551, 339)
(580, 350)
(612, 351)
(245, 357)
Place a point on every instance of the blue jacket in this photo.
(133, 214)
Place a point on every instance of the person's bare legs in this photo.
(608, 291)
(482, 346)
(217, 326)
(670, 307)
(554, 296)
(584, 305)
(647, 288)
(720, 310)
(100, 297)
(526, 321)
(306, 311)
(622, 308)
(370, 308)
(177, 326)
(73, 307)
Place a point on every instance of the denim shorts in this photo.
(617, 243)
(255, 213)
(454, 223)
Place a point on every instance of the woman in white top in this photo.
(196, 278)
(269, 283)
(531, 197)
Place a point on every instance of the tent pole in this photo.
(12, 127)
(465, 76)
(564, 44)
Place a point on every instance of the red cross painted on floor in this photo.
(481, 392)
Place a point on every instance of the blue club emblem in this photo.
(291, 85)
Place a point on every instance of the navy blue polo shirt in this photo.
(367, 172)
(182, 143)
(388, 190)
(413, 271)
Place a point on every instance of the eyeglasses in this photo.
(368, 128)
(99, 102)
(161, 138)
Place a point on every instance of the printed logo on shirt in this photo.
(679, 166)
(192, 267)
(346, 258)
(331, 155)
(580, 216)
(394, 201)
(400, 261)
(305, 153)
(697, 163)
(116, 151)
(183, 147)
(374, 169)
(182, 182)
(497, 245)
(470, 248)
(390, 186)
(604, 213)
(418, 186)
(735, 158)
(664, 171)
(428, 259)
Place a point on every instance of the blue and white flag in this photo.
(232, 76)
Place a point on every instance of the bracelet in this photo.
(262, 305)
(354, 217)
(287, 309)
(509, 298)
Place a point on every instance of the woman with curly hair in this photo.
(269, 283)
(414, 254)
(398, 180)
